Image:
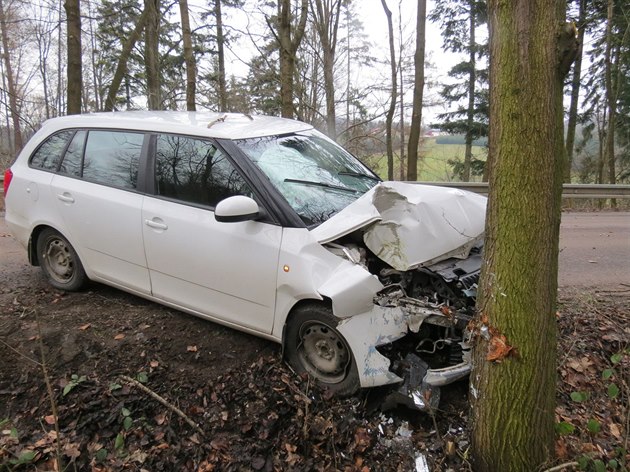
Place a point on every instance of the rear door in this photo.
(226, 271)
(95, 190)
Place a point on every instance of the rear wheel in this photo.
(313, 345)
(60, 262)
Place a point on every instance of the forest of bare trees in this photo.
(308, 59)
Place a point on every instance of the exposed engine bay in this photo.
(440, 298)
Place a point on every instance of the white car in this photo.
(262, 224)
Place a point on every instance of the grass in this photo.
(433, 160)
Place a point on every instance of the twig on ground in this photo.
(53, 404)
(20, 354)
(562, 467)
(161, 400)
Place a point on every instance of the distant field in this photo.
(432, 161)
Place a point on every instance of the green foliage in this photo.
(75, 380)
(593, 426)
(579, 396)
(119, 442)
(563, 428)
(101, 455)
(26, 457)
(142, 377)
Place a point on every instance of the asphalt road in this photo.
(594, 252)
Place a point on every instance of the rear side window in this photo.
(195, 171)
(49, 154)
(112, 157)
(71, 164)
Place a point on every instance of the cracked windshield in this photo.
(317, 177)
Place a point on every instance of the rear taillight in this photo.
(8, 175)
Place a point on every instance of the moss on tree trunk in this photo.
(513, 397)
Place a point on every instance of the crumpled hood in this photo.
(409, 225)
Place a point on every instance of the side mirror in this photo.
(235, 209)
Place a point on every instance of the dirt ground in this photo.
(228, 402)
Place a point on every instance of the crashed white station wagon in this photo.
(262, 224)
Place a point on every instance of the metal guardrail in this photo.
(568, 190)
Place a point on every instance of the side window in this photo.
(195, 171)
(111, 158)
(71, 164)
(48, 155)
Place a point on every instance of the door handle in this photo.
(156, 224)
(65, 197)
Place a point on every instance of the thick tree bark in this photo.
(189, 58)
(389, 120)
(121, 68)
(13, 104)
(418, 90)
(513, 390)
(223, 102)
(75, 72)
(575, 93)
(151, 54)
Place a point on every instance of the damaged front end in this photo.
(425, 248)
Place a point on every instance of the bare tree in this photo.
(389, 120)
(289, 36)
(11, 84)
(189, 58)
(326, 14)
(223, 102)
(152, 54)
(75, 71)
(418, 89)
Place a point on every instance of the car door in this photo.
(226, 271)
(95, 192)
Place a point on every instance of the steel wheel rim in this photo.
(59, 260)
(323, 352)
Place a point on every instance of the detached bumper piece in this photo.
(414, 393)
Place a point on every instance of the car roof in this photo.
(206, 124)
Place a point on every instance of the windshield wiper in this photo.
(321, 184)
(358, 174)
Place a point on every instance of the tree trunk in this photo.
(189, 58)
(13, 105)
(288, 44)
(326, 19)
(152, 54)
(418, 90)
(611, 99)
(403, 166)
(575, 93)
(75, 72)
(472, 78)
(223, 102)
(513, 391)
(389, 120)
(121, 68)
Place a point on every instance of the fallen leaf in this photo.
(614, 430)
(118, 337)
(85, 326)
(154, 364)
(50, 419)
(191, 348)
(72, 450)
(498, 348)
(160, 419)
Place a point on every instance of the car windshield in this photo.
(316, 176)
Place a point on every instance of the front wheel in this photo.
(60, 262)
(313, 345)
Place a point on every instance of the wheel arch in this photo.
(300, 304)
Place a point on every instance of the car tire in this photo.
(314, 346)
(59, 261)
